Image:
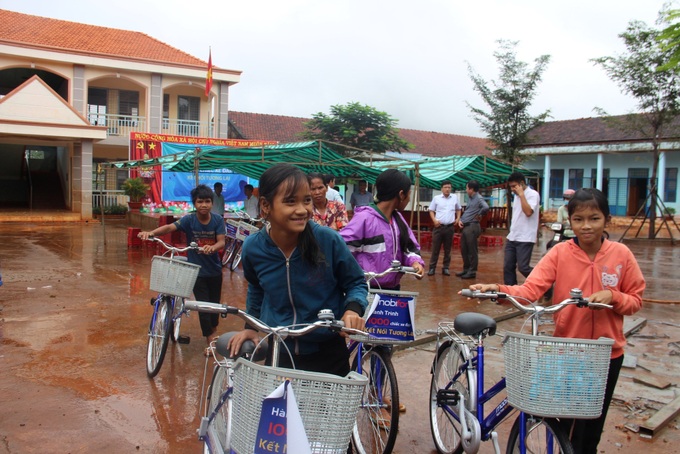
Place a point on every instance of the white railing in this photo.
(108, 198)
(187, 128)
(123, 125)
(118, 125)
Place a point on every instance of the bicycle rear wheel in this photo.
(177, 308)
(543, 435)
(159, 334)
(218, 412)
(444, 394)
(228, 251)
(236, 259)
(377, 422)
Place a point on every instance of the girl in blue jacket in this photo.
(295, 268)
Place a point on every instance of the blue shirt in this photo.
(203, 235)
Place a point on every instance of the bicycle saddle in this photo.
(473, 324)
(246, 351)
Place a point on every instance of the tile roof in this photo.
(61, 35)
(589, 131)
(287, 129)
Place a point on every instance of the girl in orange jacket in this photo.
(607, 272)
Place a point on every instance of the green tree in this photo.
(670, 37)
(357, 126)
(657, 92)
(507, 121)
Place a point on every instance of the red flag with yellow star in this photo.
(208, 78)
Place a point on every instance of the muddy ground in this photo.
(74, 314)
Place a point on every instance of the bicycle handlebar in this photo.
(326, 320)
(244, 215)
(396, 267)
(575, 297)
(172, 248)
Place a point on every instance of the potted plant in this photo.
(670, 212)
(136, 189)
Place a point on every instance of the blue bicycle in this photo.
(173, 277)
(542, 370)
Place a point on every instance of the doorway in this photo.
(637, 190)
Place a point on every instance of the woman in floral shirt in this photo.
(325, 212)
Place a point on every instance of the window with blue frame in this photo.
(671, 185)
(575, 178)
(556, 183)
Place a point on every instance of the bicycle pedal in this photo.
(182, 339)
(447, 397)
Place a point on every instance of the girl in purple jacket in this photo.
(378, 233)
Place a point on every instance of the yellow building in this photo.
(71, 94)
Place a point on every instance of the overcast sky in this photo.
(406, 58)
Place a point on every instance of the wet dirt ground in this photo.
(74, 314)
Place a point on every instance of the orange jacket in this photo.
(568, 266)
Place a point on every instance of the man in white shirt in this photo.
(445, 211)
(331, 193)
(523, 229)
(218, 199)
(251, 205)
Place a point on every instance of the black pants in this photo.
(208, 289)
(441, 235)
(586, 433)
(469, 247)
(332, 358)
(517, 256)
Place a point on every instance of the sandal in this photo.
(388, 402)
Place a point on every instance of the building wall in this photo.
(618, 164)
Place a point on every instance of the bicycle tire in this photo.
(446, 428)
(373, 433)
(159, 334)
(228, 251)
(543, 435)
(236, 259)
(177, 308)
(219, 426)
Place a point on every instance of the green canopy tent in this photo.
(319, 156)
(456, 169)
(312, 156)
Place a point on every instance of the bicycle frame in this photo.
(500, 412)
(358, 347)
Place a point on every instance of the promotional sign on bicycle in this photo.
(280, 428)
(392, 315)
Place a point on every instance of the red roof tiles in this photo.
(60, 35)
(288, 129)
(592, 130)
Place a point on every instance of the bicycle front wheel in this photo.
(218, 411)
(159, 334)
(377, 422)
(445, 391)
(236, 259)
(228, 251)
(543, 435)
(177, 308)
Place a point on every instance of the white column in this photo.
(600, 171)
(82, 179)
(661, 175)
(546, 182)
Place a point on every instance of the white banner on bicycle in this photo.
(280, 429)
(392, 315)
